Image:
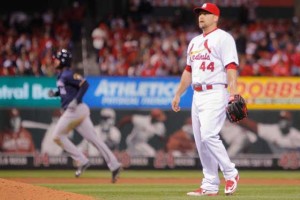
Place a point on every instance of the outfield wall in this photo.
(267, 99)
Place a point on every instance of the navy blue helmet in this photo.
(65, 58)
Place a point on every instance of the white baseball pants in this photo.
(208, 116)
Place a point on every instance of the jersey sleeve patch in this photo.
(77, 76)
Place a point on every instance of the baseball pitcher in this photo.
(212, 62)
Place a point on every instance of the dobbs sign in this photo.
(270, 92)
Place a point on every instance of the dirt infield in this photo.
(24, 188)
(15, 190)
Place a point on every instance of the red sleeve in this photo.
(188, 68)
(231, 66)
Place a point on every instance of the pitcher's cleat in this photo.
(231, 185)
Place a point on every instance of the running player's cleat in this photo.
(116, 174)
(231, 185)
(81, 169)
(202, 192)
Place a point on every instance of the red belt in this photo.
(200, 88)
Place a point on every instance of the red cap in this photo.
(209, 7)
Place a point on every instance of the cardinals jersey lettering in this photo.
(209, 54)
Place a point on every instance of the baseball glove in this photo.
(236, 109)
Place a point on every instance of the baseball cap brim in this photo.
(208, 7)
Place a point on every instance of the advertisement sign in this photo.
(265, 140)
(124, 92)
(160, 161)
(270, 92)
(27, 92)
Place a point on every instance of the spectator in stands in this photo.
(9, 64)
(295, 59)
(246, 68)
(75, 15)
(99, 36)
(131, 46)
(47, 67)
(25, 41)
(23, 64)
(280, 61)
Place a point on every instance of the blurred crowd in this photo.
(27, 41)
(141, 45)
(151, 47)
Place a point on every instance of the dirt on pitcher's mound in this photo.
(22, 191)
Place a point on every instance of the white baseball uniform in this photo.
(237, 138)
(143, 129)
(277, 140)
(207, 57)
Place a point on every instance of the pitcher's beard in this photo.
(202, 26)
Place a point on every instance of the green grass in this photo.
(174, 191)
(144, 174)
(178, 192)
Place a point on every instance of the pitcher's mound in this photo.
(22, 191)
